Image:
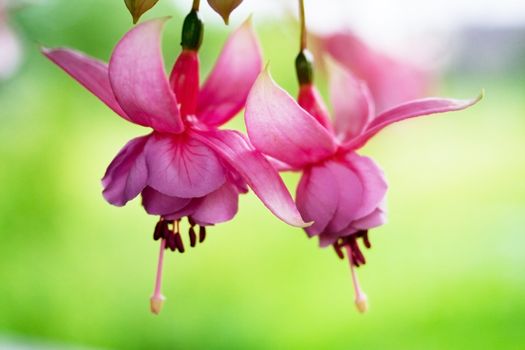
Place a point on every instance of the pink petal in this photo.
(92, 74)
(317, 198)
(312, 102)
(350, 191)
(219, 206)
(127, 174)
(184, 80)
(136, 73)
(374, 219)
(391, 81)
(280, 128)
(409, 110)
(182, 166)
(373, 181)
(157, 203)
(226, 89)
(352, 102)
(185, 211)
(258, 173)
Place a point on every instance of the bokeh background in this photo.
(446, 272)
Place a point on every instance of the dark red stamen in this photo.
(202, 234)
(178, 242)
(338, 250)
(193, 236)
(356, 255)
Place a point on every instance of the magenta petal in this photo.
(391, 81)
(226, 89)
(372, 220)
(157, 203)
(280, 128)
(317, 198)
(219, 206)
(350, 192)
(127, 174)
(373, 181)
(352, 102)
(256, 171)
(92, 74)
(136, 73)
(182, 166)
(188, 210)
(409, 110)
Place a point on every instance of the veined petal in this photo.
(317, 198)
(92, 74)
(138, 79)
(408, 110)
(280, 128)
(156, 203)
(127, 174)
(182, 166)
(219, 206)
(352, 102)
(258, 173)
(226, 89)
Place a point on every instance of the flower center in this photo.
(355, 259)
(168, 232)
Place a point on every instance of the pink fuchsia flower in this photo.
(186, 167)
(340, 190)
(10, 47)
(391, 81)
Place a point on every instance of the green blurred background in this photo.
(446, 272)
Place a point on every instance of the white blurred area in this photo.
(431, 30)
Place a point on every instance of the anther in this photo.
(193, 236)
(178, 242)
(338, 251)
(158, 233)
(202, 233)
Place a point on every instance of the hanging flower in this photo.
(186, 167)
(391, 81)
(341, 191)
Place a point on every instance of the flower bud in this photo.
(304, 67)
(192, 31)
(138, 7)
(224, 7)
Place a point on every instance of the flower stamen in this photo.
(361, 300)
(157, 299)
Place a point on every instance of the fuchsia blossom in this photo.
(341, 191)
(185, 167)
(391, 81)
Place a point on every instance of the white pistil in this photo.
(361, 301)
(157, 299)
